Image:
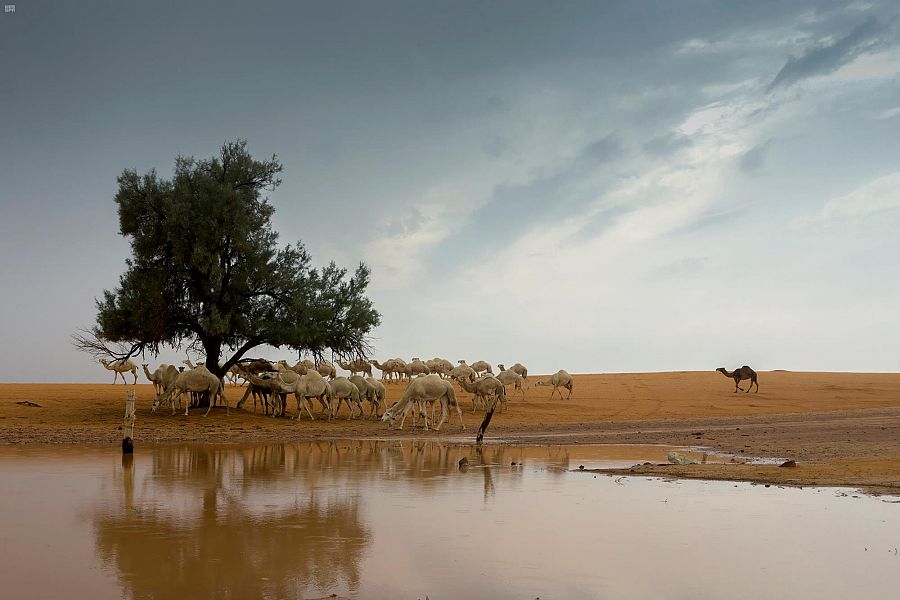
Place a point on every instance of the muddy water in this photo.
(401, 520)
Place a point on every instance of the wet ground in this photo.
(401, 519)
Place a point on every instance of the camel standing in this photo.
(518, 368)
(155, 377)
(326, 369)
(356, 365)
(481, 367)
(343, 389)
(369, 391)
(559, 379)
(509, 377)
(463, 371)
(193, 381)
(488, 386)
(429, 388)
(739, 375)
(120, 367)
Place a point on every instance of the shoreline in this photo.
(842, 429)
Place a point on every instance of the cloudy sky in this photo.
(595, 186)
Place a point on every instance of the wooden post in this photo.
(130, 416)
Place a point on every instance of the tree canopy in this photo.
(206, 270)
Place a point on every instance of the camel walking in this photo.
(428, 388)
(198, 380)
(739, 375)
(485, 390)
(509, 377)
(120, 367)
(355, 366)
(559, 379)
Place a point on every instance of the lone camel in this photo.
(120, 367)
(739, 375)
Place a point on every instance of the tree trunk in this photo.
(213, 348)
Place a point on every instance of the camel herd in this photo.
(429, 383)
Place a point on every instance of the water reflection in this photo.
(268, 520)
(384, 519)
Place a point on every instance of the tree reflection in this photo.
(272, 520)
(235, 544)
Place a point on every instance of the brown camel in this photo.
(739, 375)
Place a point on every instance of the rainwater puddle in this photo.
(399, 519)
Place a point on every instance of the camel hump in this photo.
(745, 367)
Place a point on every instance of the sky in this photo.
(594, 186)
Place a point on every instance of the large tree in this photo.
(206, 271)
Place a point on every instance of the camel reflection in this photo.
(275, 520)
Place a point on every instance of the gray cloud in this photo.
(665, 145)
(865, 37)
(513, 209)
(752, 160)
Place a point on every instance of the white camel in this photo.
(426, 389)
(559, 379)
(518, 368)
(509, 377)
(198, 380)
(481, 367)
(120, 367)
(368, 391)
(357, 365)
(485, 390)
(343, 389)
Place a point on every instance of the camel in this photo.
(440, 366)
(162, 377)
(415, 368)
(386, 368)
(463, 371)
(155, 377)
(120, 367)
(739, 375)
(376, 394)
(483, 388)
(369, 391)
(260, 395)
(508, 376)
(518, 368)
(343, 389)
(198, 380)
(356, 366)
(300, 368)
(481, 367)
(326, 369)
(272, 389)
(315, 386)
(429, 388)
(559, 379)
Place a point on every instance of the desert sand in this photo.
(840, 428)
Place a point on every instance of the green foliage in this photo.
(206, 268)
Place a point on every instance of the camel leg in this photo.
(445, 412)
(459, 413)
(571, 389)
(308, 406)
(135, 376)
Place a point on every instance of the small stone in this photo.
(581, 467)
(788, 463)
(463, 462)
